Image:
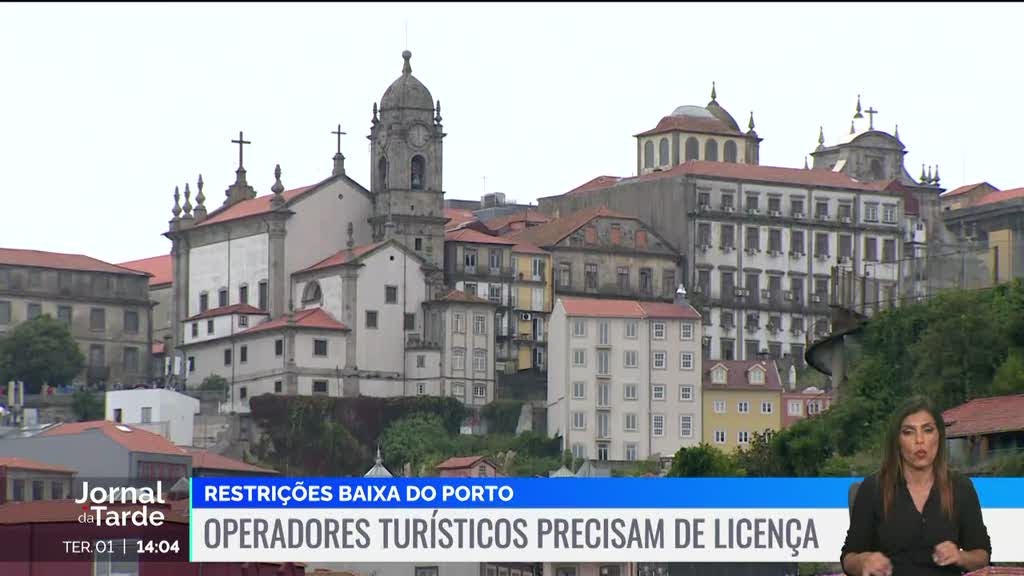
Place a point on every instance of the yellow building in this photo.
(740, 397)
(532, 302)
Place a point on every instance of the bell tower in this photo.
(406, 157)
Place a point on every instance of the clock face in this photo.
(418, 135)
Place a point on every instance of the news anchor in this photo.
(916, 517)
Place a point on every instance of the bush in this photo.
(214, 383)
(503, 416)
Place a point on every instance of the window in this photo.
(418, 244)
(578, 451)
(730, 151)
(845, 210)
(538, 268)
(743, 407)
(743, 437)
(668, 280)
(774, 240)
(719, 406)
(460, 323)
(658, 392)
(222, 297)
(821, 209)
(18, 489)
(263, 295)
(767, 407)
(692, 148)
(579, 390)
(686, 426)
(686, 360)
(657, 425)
(371, 318)
(131, 359)
(845, 246)
(604, 393)
(821, 287)
(728, 236)
(821, 244)
(421, 388)
(649, 154)
(751, 203)
(579, 328)
(871, 212)
(888, 250)
(459, 359)
(421, 361)
(494, 293)
(603, 362)
(417, 175)
(319, 347)
(243, 294)
(34, 310)
(602, 450)
(243, 321)
(719, 436)
(889, 214)
(278, 387)
(56, 490)
(774, 204)
(753, 238)
(871, 249)
(711, 150)
(658, 329)
(660, 360)
(630, 359)
(131, 321)
(191, 363)
(227, 356)
(479, 324)
(602, 332)
(629, 450)
(629, 422)
(204, 302)
(97, 319)
(410, 322)
(629, 392)
(209, 326)
(590, 277)
(685, 393)
(622, 275)
(663, 159)
(718, 375)
(469, 260)
(631, 328)
(147, 415)
(391, 294)
(686, 330)
(494, 259)
(796, 242)
(479, 391)
(813, 407)
(278, 347)
(579, 357)
(118, 415)
(579, 420)
(796, 408)
(728, 346)
(5, 312)
(425, 570)
(479, 360)
(537, 298)
(320, 387)
(646, 281)
(564, 275)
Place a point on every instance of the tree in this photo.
(702, 460)
(40, 351)
(1009, 378)
(87, 406)
(214, 382)
(419, 440)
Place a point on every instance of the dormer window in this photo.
(718, 375)
(312, 294)
(756, 375)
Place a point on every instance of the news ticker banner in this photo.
(544, 519)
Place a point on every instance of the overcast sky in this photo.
(105, 108)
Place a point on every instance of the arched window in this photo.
(692, 149)
(311, 294)
(649, 154)
(419, 171)
(876, 169)
(663, 152)
(382, 172)
(730, 151)
(711, 150)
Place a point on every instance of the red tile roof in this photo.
(736, 375)
(691, 124)
(530, 216)
(460, 296)
(1000, 196)
(313, 318)
(252, 207)
(204, 460)
(228, 310)
(527, 248)
(54, 511)
(59, 261)
(26, 464)
(747, 172)
(475, 237)
(457, 462)
(965, 189)
(457, 217)
(134, 439)
(985, 416)
(159, 268)
(560, 228)
(609, 308)
(347, 256)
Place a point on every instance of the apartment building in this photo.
(740, 397)
(624, 377)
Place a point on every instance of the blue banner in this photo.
(513, 493)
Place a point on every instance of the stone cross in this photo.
(339, 133)
(871, 117)
(241, 142)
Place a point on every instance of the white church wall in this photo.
(381, 388)
(382, 348)
(319, 226)
(209, 270)
(330, 290)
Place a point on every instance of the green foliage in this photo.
(1009, 378)
(503, 416)
(40, 351)
(641, 469)
(87, 406)
(214, 382)
(419, 440)
(703, 460)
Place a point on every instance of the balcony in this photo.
(485, 272)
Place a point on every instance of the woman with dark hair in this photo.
(916, 516)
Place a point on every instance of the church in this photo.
(331, 289)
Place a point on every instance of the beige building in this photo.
(24, 480)
(740, 397)
(532, 299)
(160, 293)
(624, 378)
(106, 308)
(460, 331)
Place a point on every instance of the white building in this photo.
(624, 378)
(158, 410)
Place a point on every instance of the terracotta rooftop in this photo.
(26, 464)
(965, 189)
(610, 308)
(1000, 196)
(205, 460)
(347, 256)
(134, 439)
(59, 261)
(691, 124)
(458, 462)
(313, 318)
(57, 511)
(457, 217)
(530, 216)
(560, 228)
(227, 311)
(527, 248)
(460, 296)
(253, 207)
(159, 269)
(475, 237)
(736, 375)
(985, 416)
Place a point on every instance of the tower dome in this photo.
(407, 91)
(718, 112)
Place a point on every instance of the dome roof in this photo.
(715, 109)
(407, 91)
(692, 112)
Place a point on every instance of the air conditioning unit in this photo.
(798, 215)
(775, 213)
(526, 316)
(847, 220)
(751, 250)
(729, 208)
(774, 253)
(816, 298)
(823, 216)
(789, 295)
(821, 256)
(703, 208)
(728, 248)
(753, 211)
(706, 340)
(739, 292)
(766, 294)
(795, 330)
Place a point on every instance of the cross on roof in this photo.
(241, 142)
(871, 117)
(339, 133)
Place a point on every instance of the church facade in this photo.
(331, 289)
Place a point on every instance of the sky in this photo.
(106, 108)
